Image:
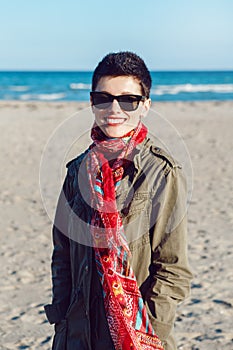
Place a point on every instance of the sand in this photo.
(205, 319)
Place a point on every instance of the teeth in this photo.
(115, 121)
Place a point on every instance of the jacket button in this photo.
(86, 268)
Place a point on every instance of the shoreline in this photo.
(86, 102)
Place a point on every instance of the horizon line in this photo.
(34, 70)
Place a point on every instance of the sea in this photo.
(75, 86)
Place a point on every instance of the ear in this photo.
(91, 103)
(146, 107)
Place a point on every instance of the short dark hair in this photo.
(123, 63)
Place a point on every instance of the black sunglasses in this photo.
(102, 100)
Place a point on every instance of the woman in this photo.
(119, 265)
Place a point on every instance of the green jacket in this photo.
(151, 200)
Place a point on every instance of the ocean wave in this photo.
(18, 88)
(42, 97)
(192, 88)
(79, 86)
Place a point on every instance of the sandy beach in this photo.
(205, 319)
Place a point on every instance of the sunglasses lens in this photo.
(101, 100)
(129, 102)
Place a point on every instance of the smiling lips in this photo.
(115, 121)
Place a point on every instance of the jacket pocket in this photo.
(136, 204)
(135, 217)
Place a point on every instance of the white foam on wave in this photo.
(43, 97)
(191, 88)
(79, 86)
(18, 88)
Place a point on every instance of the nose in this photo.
(115, 107)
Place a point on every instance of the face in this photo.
(114, 121)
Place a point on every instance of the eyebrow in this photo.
(123, 93)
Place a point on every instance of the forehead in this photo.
(119, 84)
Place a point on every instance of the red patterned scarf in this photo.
(126, 313)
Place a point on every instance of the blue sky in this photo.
(75, 34)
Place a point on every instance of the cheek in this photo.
(136, 116)
(97, 113)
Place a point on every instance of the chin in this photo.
(115, 132)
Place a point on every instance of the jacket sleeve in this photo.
(169, 271)
(61, 272)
